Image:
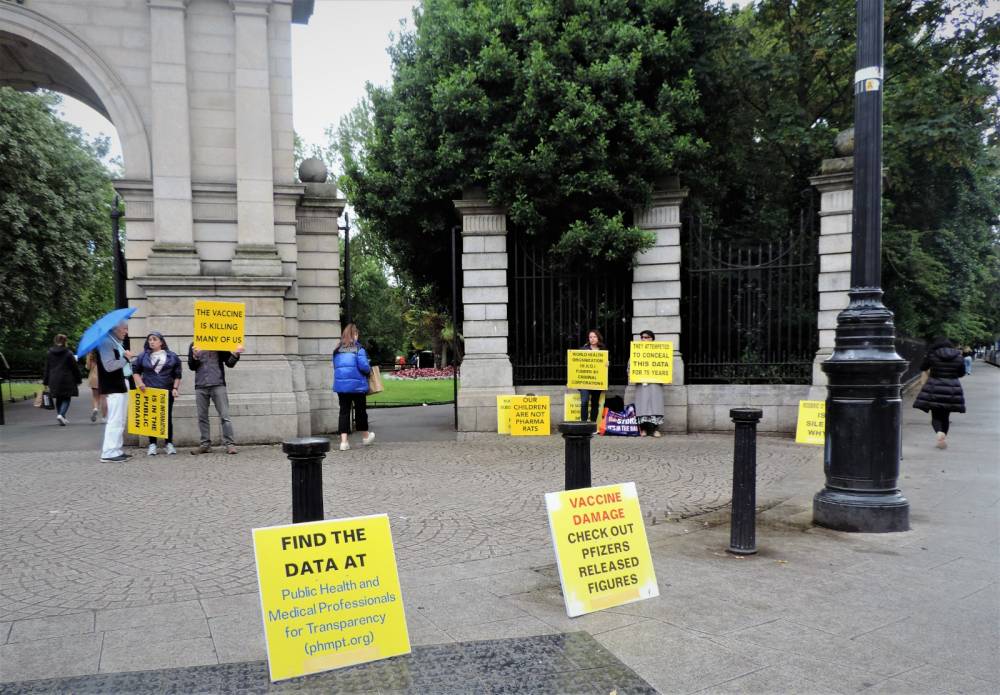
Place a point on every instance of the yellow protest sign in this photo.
(329, 593)
(601, 547)
(587, 369)
(571, 407)
(651, 362)
(148, 412)
(218, 325)
(811, 427)
(503, 414)
(529, 416)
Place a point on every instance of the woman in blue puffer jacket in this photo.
(350, 381)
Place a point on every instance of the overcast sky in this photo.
(342, 48)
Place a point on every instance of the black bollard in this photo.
(307, 456)
(577, 436)
(743, 527)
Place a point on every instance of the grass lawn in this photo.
(413, 392)
(20, 390)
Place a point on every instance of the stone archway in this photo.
(36, 52)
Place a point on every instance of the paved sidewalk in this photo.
(148, 566)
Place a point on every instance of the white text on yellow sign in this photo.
(651, 362)
(219, 325)
(811, 427)
(148, 412)
(587, 369)
(530, 416)
(329, 593)
(601, 547)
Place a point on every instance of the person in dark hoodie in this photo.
(159, 368)
(62, 376)
(209, 367)
(942, 393)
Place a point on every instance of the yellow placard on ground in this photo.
(329, 593)
(219, 325)
(148, 412)
(651, 362)
(587, 369)
(530, 416)
(601, 547)
(811, 428)
(571, 407)
(503, 414)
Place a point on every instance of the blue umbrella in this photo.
(93, 336)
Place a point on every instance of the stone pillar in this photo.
(318, 290)
(173, 251)
(255, 253)
(486, 371)
(836, 186)
(656, 289)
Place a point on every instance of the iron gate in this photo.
(749, 309)
(551, 310)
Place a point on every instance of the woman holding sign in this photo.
(594, 342)
(648, 401)
(350, 381)
(159, 368)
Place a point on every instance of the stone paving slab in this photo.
(569, 663)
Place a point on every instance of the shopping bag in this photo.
(47, 401)
(375, 380)
(622, 423)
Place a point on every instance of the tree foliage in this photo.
(55, 230)
(564, 112)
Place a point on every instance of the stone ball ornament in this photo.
(844, 143)
(313, 170)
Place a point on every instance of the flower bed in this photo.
(425, 373)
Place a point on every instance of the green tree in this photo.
(378, 303)
(565, 112)
(784, 78)
(56, 268)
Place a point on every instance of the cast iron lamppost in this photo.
(346, 227)
(121, 298)
(861, 457)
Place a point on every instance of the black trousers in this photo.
(358, 401)
(593, 399)
(939, 419)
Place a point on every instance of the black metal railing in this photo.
(551, 309)
(749, 308)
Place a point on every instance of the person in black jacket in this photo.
(942, 394)
(209, 367)
(62, 376)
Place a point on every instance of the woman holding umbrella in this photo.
(113, 370)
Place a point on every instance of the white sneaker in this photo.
(369, 439)
(93, 415)
(942, 440)
(344, 446)
(170, 449)
(151, 450)
(104, 420)
(61, 419)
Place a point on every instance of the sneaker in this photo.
(151, 450)
(104, 420)
(369, 439)
(170, 449)
(93, 415)
(344, 446)
(61, 419)
(231, 449)
(942, 440)
(656, 433)
(203, 449)
(115, 459)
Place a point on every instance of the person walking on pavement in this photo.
(62, 376)
(209, 367)
(114, 368)
(98, 403)
(350, 381)
(942, 394)
(967, 356)
(159, 368)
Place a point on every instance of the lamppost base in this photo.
(881, 512)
